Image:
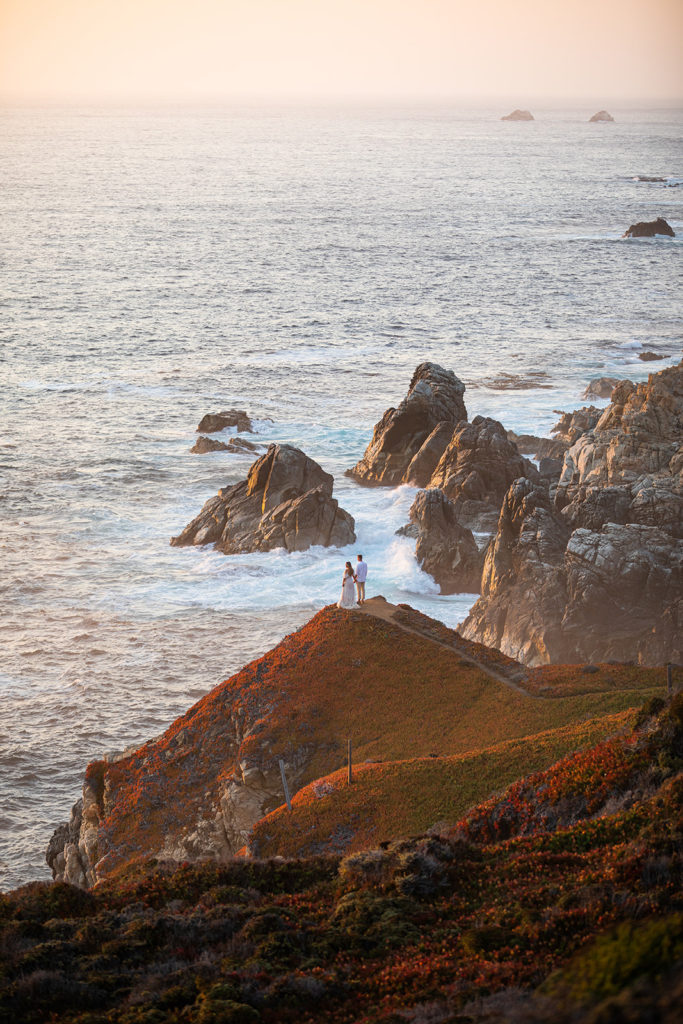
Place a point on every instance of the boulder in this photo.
(213, 422)
(649, 357)
(445, 549)
(434, 397)
(476, 470)
(600, 387)
(602, 115)
(519, 115)
(286, 501)
(650, 228)
(236, 445)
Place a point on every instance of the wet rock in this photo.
(286, 501)
(602, 115)
(649, 357)
(476, 470)
(601, 387)
(518, 115)
(213, 422)
(650, 228)
(445, 549)
(203, 445)
(645, 177)
(540, 447)
(434, 397)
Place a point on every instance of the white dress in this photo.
(348, 594)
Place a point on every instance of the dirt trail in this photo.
(382, 609)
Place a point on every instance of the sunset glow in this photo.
(92, 50)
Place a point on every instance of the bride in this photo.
(348, 594)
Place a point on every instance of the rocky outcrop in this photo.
(597, 573)
(650, 228)
(476, 470)
(602, 115)
(519, 115)
(434, 398)
(286, 501)
(650, 357)
(213, 422)
(445, 549)
(572, 425)
(601, 387)
(540, 447)
(236, 445)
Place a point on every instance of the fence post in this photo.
(284, 784)
(350, 764)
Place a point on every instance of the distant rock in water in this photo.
(604, 559)
(602, 115)
(519, 115)
(649, 357)
(650, 228)
(445, 549)
(434, 397)
(203, 445)
(215, 421)
(601, 387)
(645, 177)
(285, 502)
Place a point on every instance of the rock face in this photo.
(602, 115)
(518, 115)
(434, 398)
(476, 470)
(572, 425)
(598, 573)
(286, 501)
(601, 387)
(215, 421)
(203, 445)
(650, 228)
(445, 549)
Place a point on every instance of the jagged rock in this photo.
(236, 444)
(597, 574)
(213, 422)
(286, 501)
(518, 115)
(423, 464)
(434, 397)
(573, 424)
(540, 447)
(650, 228)
(476, 470)
(550, 469)
(601, 387)
(649, 357)
(445, 549)
(602, 115)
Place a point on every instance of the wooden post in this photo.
(350, 764)
(284, 784)
(669, 679)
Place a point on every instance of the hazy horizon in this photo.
(95, 52)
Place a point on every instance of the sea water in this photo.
(297, 263)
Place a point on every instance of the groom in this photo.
(361, 576)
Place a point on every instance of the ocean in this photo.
(159, 264)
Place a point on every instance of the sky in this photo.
(195, 50)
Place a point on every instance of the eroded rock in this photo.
(601, 387)
(435, 397)
(286, 501)
(650, 228)
(445, 549)
(213, 422)
(236, 445)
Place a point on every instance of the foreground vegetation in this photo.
(558, 900)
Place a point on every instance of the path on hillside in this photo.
(380, 608)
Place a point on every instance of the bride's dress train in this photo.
(348, 594)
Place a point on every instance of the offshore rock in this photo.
(650, 228)
(286, 501)
(434, 398)
(597, 574)
(445, 549)
(215, 421)
(519, 115)
(235, 445)
(602, 115)
(476, 470)
(601, 387)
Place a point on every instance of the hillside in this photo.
(575, 916)
(400, 685)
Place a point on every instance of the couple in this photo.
(347, 599)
